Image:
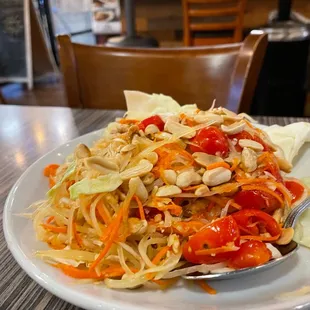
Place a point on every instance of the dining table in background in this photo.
(26, 134)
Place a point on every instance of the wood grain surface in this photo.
(26, 134)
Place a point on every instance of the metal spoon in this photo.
(286, 251)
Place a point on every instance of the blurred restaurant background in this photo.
(29, 59)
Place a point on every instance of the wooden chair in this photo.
(217, 21)
(2, 99)
(96, 76)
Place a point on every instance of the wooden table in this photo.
(26, 134)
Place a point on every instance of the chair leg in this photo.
(2, 100)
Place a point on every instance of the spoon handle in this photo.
(295, 213)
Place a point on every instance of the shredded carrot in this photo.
(140, 206)
(278, 185)
(103, 212)
(191, 188)
(126, 206)
(263, 156)
(261, 238)
(235, 205)
(160, 255)
(189, 122)
(264, 189)
(206, 287)
(222, 249)
(157, 259)
(76, 236)
(109, 236)
(50, 219)
(239, 173)
(167, 155)
(57, 229)
(172, 207)
(235, 164)
(79, 273)
(284, 191)
(128, 121)
(56, 247)
(115, 271)
(102, 254)
(164, 284)
(252, 180)
(226, 188)
(217, 165)
(50, 170)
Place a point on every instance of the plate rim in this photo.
(51, 285)
(70, 294)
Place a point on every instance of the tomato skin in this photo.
(295, 188)
(245, 218)
(152, 120)
(215, 235)
(256, 199)
(210, 140)
(251, 253)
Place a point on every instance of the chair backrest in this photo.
(217, 21)
(96, 76)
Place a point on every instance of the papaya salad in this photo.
(167, 195)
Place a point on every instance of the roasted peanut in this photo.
(188, 178)
(148, 178)
(205, 159)
(168, 190)
(216, 176)
(233, 128)
(170, 176)
(248, 159)
(151, 129)
(251, 144)
(286, 236)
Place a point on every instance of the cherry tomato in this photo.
(251, 253)
(272, 166)
(295, 188)
(153, 120)
(215, 235)
(256, 199)
(246, 135)
(247, 217)
(210, 140)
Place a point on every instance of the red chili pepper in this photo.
(153, 120)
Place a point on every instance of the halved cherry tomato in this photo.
(295, 188)
(251, 253)
(256, 199)
(248, 219)
(152, 120)
(246, 135)
(210, 140)
(217, 234)
(272, 166)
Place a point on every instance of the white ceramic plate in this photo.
(266, 290)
